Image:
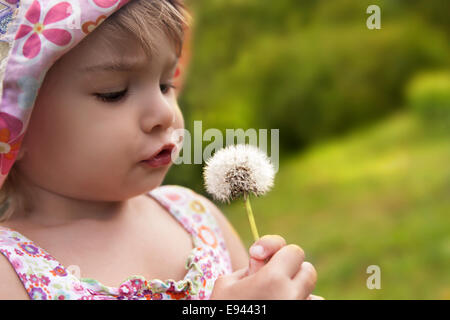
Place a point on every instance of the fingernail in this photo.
(257, 251)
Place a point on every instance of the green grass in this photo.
(379, 196)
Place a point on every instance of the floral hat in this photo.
(33, 35)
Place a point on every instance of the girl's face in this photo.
(92, 126)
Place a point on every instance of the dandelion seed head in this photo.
(238, 169)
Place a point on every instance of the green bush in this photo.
(310, 82)
(323, 81)
(428, 94)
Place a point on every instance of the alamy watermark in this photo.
(374, 20)
(74, 270)
(192, 144)
(374, 280)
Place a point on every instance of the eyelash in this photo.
(170, 86)
(116, 96)
(111, 97)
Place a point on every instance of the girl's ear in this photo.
(183, 61)
(21, 153)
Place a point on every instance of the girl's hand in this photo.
(263, 249)
(276, 271)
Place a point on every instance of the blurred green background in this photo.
(364, 119)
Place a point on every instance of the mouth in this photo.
(161, 157)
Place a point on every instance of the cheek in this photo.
(55, 134)
(72, 153)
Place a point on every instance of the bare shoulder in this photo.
(11, 288)
(238, 253)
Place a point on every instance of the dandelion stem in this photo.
(251, 219)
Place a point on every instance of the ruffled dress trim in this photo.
(138, 286)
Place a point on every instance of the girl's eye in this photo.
(116, 96)
(111, 96)
(166, 87)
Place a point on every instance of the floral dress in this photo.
(45, 278)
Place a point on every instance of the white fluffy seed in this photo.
(238, 169)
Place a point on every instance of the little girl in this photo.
(84, 214)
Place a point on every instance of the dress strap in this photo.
(187, 207)
(43, 277)
(195, 216)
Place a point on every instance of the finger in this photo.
(235, 276)
(255, 265)
(239, 274)
(262, 250)
(305, 280)
(314, 297)
(287, 260)
(266, 246)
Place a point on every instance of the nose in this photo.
(159, 112)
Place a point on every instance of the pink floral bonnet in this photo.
(33, 35)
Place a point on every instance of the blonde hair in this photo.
(143, 19)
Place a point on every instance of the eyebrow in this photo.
(122, 66)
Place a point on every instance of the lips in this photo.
(167, 148)
(161, 157)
